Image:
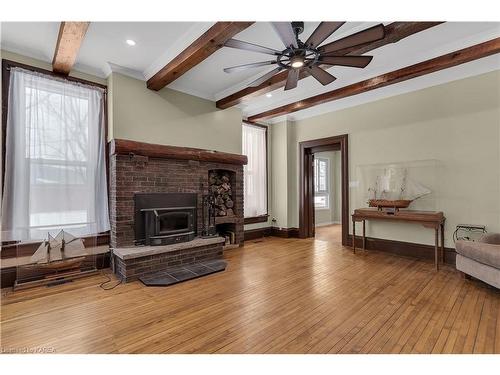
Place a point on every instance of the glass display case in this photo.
(57, 258)
(412, 184)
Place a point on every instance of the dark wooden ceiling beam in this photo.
(68, 44)
(394, 32)
(449, 60)
(213, 39)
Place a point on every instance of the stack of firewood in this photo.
(220, 187)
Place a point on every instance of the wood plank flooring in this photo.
(276, 296)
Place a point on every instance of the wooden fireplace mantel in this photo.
(125, 147)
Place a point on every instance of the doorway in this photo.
(309, 180)
(327, 197)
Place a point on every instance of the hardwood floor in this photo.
(276, 296)
(331, 233)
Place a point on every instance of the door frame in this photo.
(306, 183)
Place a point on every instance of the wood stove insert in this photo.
(164, 218)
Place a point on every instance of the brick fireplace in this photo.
(137, 167)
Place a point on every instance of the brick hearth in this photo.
(130, 263)
(143, 168)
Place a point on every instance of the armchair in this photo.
(480, 259)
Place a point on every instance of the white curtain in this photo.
(255, 173)
(55, 169)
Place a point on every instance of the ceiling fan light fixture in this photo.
(297, 62)
(312, 55)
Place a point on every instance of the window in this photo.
(321, 183)
(255, 172)
(55, 168)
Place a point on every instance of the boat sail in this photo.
(395, 189)
(63, 251)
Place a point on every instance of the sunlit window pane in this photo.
(321, 201)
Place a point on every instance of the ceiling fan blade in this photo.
(292, 79)
(286, 34)
(248, 66)
(353, 61)
(369, 35)
(265, 77)
(233, 43)
(322, 32)
(321, 75)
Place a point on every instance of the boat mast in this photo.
(63, 242)
(403, 184)
(48, 247)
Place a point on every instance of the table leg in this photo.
(364, 237)
(354, 237)
(436, 247)
(442, 242)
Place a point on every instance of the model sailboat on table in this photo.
(394, 189)
(62, 252)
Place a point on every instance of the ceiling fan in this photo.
(308, 55)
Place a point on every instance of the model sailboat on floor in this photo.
(62, 252)
(394, 189)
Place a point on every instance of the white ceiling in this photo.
(208, 79)
(104, 49)
(433, 42)
(104, 45)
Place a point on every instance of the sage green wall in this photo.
(279, 176)
(170, 117)
(164, 117)
(109, 82)
(457, 124)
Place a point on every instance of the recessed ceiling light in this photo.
(130, 42)
(269, 95)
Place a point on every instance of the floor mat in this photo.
(174, 275)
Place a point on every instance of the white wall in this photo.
(457, 123)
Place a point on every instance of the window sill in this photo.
(256, 219)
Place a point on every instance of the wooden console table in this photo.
(429, 219)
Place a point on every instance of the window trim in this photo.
(327, 182)
(326, 192)
(265, 217)
(6, 66)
